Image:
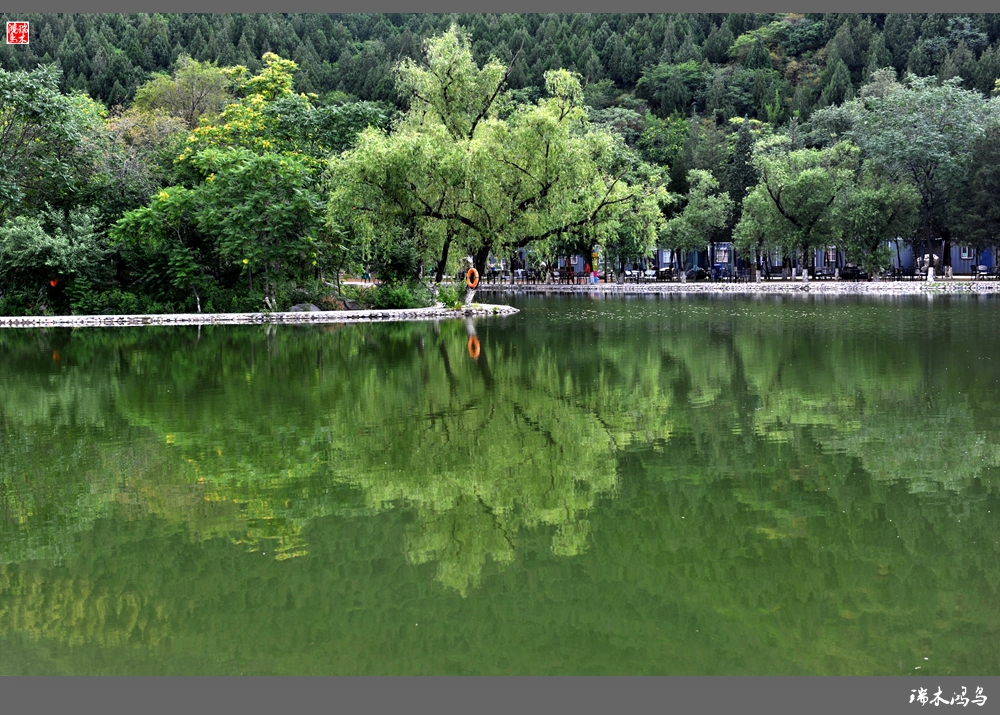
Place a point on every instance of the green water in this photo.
(642, 486)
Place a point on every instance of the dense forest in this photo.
(662, 58)
(162, 162)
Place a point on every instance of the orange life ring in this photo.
(472, 278)
(473, 347)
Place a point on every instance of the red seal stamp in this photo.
(17, 33)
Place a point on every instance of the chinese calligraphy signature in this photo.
(919, 695)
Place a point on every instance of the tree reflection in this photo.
(478, 451)
(785, 414)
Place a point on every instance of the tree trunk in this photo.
(443, 262)
(927, 238)
(946, 252)
(479, 263)
(479, 260)
(268, 290)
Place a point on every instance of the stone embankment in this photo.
(813, 287)
(292, 318)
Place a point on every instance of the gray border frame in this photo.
(464, 695)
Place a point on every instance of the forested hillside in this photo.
(732, 64)
(182, 162)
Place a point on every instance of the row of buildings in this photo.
(726, 260)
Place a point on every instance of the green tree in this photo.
(252, 205)
(758, 58)
(874, 212)
(456, 171)
(257, 213)
(688, 51)
(40, 257)
(900, 34)
(925, 132)
(626, 123)
(135, 160)
(450, 87)
(662, 140)
(920, 60)
(171, 257)
(670, 88)
(839, 89)
(979, 194)
(265, 211)
(987, 70)
(717, 44)
(878, 56)
(706, 212)
(795, 206)
(196, 90)
(741, 175)
(47, 141)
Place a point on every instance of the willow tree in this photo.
(469, 168)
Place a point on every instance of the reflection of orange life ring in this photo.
(472, 278)
(473, 347)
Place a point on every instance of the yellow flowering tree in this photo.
(251, 207)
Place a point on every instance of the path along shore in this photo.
(823, 288)
(290, 318)
(813, 287)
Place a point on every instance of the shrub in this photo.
(41, 257)
(84, 300)
(392, 296)
(33, 253)
(451, 296)
(396, 296)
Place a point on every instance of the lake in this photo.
(597, 485)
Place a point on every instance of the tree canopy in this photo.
(408, 143)
(925, 131)
(484, 172)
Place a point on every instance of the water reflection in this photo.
(810, 480)
(476, 451)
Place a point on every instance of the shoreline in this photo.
(476, 310)
(813, 287)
